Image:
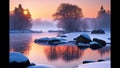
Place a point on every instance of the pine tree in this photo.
(103, 19)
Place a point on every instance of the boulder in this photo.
(95, 45)
(83, 38)
(101, 42)
(100, 60)
(88, 61)
(63, 36)
(99, 31)
(18, 60)
(83, 45)
(45, 39)
(54, 41)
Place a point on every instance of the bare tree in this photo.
(68, 16)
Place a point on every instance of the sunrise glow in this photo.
(44, 9)
(25, 12)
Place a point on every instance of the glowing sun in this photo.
(25, 12)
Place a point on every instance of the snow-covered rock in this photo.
(45, 39)
(51, 41)
(18, 60)
(82, 44)
(42, 66)
(83, 38)
(105, 59)
(71, 36)
(100, 60)
(99, 31)
(101, 42)
(88, 61)
(103, 64)
(95, 45)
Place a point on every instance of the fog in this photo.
(43, 25)
(89, 24)
(104, 22)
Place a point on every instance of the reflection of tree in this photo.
(67, 53)
(104, 50)
(71, 53)
(20, 43)
(82, 48)
(52, 53)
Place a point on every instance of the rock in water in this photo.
(101, 42)
(101, 60)
(18, 60)
(83, 38)
(95, 45)
(99, 31)
(88, 61)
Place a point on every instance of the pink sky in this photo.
(45, 8)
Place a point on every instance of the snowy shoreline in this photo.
(70, 36)
(102, 64)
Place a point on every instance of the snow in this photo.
(69, 38)
(42, 66)
(46, 38)
(105, 37)
(93, 43)
(102, 64)
(17, 57)
(83, 44)
(86, 35)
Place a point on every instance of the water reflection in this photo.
(20, 43)
(62, 56)
(66, 53)
(104, 50)
(82, 48)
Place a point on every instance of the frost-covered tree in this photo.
(103, 19)
(69, 17)
(20, 19)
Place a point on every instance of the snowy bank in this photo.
(42, 66)
(70, 36)
(18, 60)
(17, 57)
(102, 64)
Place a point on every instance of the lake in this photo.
(68, 56)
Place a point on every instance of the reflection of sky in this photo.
(45, 8)
(37, 53)
(20, 43)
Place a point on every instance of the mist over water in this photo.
(43, 25)
(60, 56)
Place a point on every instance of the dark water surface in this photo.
(59, 56)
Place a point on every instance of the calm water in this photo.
(60, 56)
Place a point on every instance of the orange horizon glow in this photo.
(44, 9)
